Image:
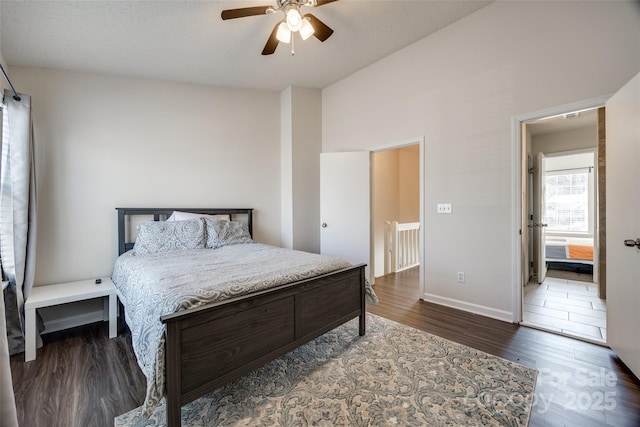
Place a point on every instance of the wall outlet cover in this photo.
(444, 208)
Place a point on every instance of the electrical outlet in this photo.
(460, 276)
(444, 208)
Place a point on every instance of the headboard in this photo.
(161, 214)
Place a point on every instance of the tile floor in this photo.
(569, 307)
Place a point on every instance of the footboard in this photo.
(212, 345)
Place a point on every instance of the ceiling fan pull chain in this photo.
(293, 38)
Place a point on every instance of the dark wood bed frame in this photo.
(212, 345)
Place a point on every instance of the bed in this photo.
(574, 253)
(206, 344)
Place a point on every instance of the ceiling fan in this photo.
(293, 22)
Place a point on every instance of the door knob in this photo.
(324, 225)
(631, 243)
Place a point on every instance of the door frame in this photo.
(392, 146)
(518, 224)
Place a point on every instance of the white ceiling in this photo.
(562, 123)
(187, 41)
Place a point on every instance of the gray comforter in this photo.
(153, 285)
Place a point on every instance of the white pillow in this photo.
(181, 216)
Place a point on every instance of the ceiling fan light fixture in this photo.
(294, 19)
(306, 29)
(283, 34)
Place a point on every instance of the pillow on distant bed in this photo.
(163, 236)
(181, 216)
(222, 233)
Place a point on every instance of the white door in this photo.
(539, 217)
(595, 226)
(345, 207)
(623, 223)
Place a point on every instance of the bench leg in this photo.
(113, 321)
(30, 335)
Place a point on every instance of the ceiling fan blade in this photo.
(272, 42)
(322, 31)
(323, 2)
(244, 11)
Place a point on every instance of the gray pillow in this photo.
(222, 233)
(163, 236)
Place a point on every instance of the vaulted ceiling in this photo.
(187, 41)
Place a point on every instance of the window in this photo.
(567, 201)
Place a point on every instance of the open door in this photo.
(623, 223)
(345, 206)
(539, 224)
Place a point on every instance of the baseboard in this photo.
(505, 316)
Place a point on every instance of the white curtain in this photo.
(17, 213)
(8, 413)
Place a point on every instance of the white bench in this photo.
(63, 293)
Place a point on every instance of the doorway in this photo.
(395, 175)
(347, 205)
(561, 291)
(408, 200)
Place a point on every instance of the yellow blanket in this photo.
(581, 252)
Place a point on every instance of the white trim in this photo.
(482, 310)
(419, 140)
(516, 218)
(586, 104)
(516, 186)
(399, 144)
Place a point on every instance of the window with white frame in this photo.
(569, 201)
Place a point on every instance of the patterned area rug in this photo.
(395, 375)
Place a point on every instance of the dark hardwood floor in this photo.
(579, 384)
(82, 378)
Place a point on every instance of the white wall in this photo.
(409, 184)
(104, 142)
(301, 144)
(4, 64)
(3, 84)
(385, 201)
(461, 87)
(557, 142)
